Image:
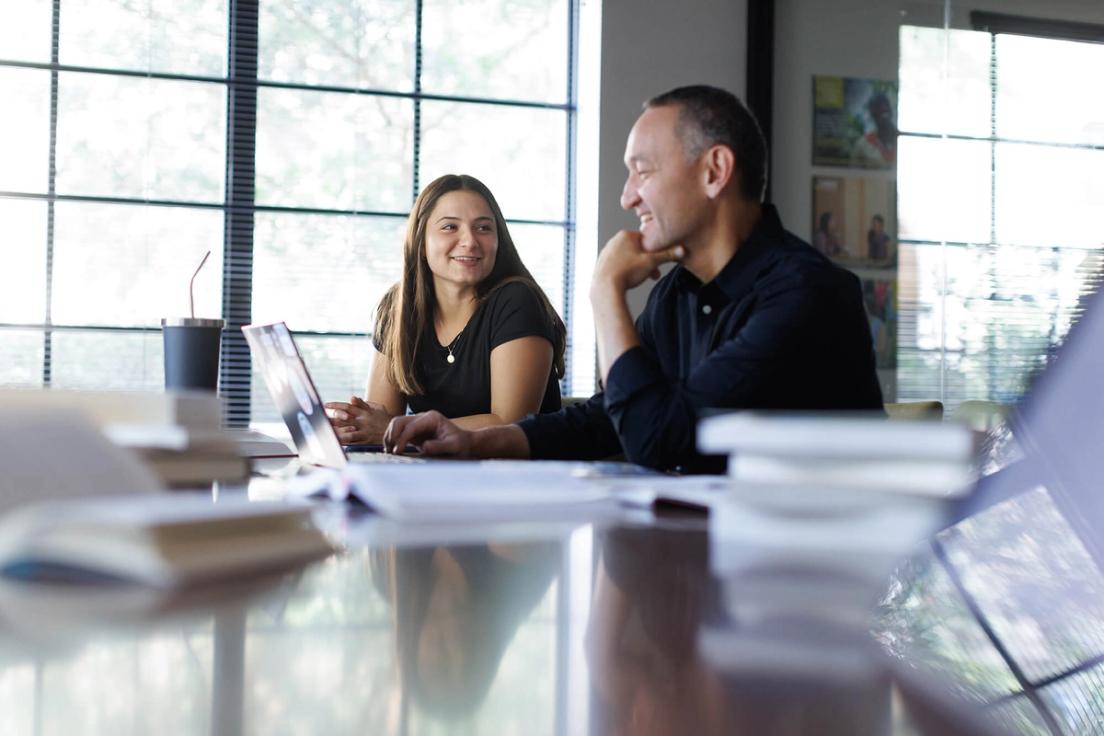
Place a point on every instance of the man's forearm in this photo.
(504, 441)
(613, 325)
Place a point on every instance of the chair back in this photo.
(981, 416)
(914, 410)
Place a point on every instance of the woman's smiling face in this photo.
(461, 239)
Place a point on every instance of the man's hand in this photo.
(623, 263)
(430, 432)
(357, 422)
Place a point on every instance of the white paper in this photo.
(702, 492)
(461, 490)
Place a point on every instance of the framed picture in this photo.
(880, 299)
(854, 123)
(855, 220)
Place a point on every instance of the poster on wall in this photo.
(855, 220)
(854, 122)
(880, 299)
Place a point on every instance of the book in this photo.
(833, 436)
(254, 443)
(182, 456)
(164, 540)
(832, 451)
(50, 452)
(195, 469)
(176, 434)
(906, 476)
(240, 442)
(191, 409)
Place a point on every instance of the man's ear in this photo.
(718, 170)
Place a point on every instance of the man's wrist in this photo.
(504, 441)
(605, 293)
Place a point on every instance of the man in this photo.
(750, 318)
(878, 147)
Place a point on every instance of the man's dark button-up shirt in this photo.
(780, 327)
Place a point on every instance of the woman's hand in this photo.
(358, 422)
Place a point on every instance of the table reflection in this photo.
(419, 640)
(652, 592)
(455, 611)
(668, 655)
(623, 629)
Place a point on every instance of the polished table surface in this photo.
(574, 626)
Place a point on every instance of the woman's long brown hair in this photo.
(407, 309)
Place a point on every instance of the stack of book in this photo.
(183, 456)
(165, 541)
(821, 508)
(849, 452)
(177, 434)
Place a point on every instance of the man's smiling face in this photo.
(663, 186)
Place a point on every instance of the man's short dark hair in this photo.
(709, 116)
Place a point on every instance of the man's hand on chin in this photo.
(624, 263)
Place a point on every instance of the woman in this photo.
(466, 331)
(877, 240)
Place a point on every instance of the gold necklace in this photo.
(452, 358)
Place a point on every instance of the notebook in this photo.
(285, 375)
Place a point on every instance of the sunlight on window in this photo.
(464, 56)
(25, 36)
(517, 152)
(368, 44)
(181, 36)
(1048, 90)
(1001, 207)
(25, 143)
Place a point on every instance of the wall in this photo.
(648, 48)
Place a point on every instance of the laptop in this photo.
(1059, 426)
(280, 364)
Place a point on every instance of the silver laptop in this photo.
(277, 358)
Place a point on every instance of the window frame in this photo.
(993, 24)
(239, 204)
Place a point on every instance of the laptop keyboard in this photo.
(382, 457)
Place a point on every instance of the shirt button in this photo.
(707, 309)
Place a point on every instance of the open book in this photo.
(163, 540)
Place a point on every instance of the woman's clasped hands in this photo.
(358, 422)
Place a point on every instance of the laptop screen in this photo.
(285, 375)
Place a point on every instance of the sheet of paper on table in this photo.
(457, 490)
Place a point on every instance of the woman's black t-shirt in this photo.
(463, 388)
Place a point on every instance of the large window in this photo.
(1001, 206)
(290, 139)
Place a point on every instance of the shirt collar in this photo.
(736, 278)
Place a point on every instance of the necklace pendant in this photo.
(450, 358)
